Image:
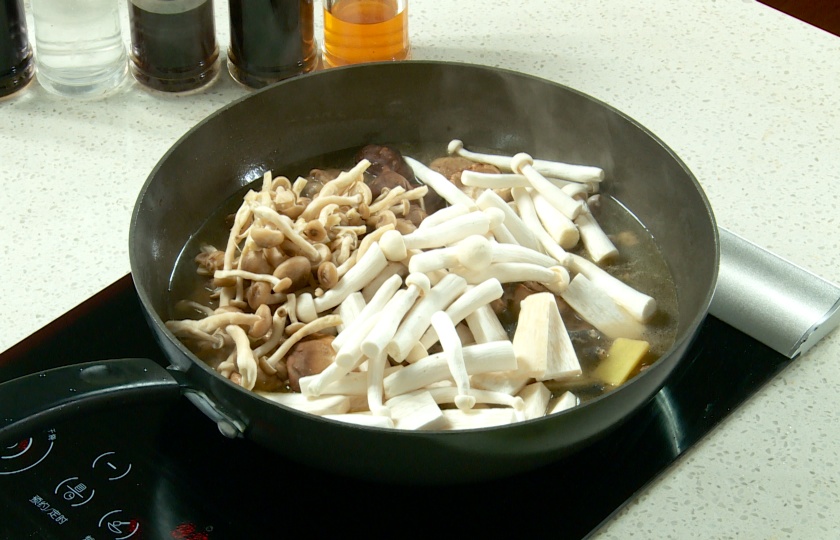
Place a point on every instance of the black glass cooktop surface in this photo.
(165, 472)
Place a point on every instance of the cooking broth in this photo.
(640, 264)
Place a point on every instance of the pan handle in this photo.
(30, 403)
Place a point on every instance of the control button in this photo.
(74, 491)
(26, 453)
(115, 523)
(110, 465)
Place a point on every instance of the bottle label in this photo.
(168, 7)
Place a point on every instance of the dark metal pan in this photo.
(349, 107)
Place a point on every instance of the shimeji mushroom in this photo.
(353, 253)
(598, 309)
(246, 364)
(392, 314)
(521, 231)
(525, 205)
(454, 354)
(475, 297)
(478, 358)
(354, 280)
(415, 323)
(562, 230)
(557, 169)
(395, 246)
(476, 253)
(639, 305)
(570, 207)
(440, 184)
(594, 239)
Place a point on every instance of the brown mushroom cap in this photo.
(309, 357)
(297, 268)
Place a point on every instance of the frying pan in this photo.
(343, 108)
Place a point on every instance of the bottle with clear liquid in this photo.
(16, 64)
(79, 48)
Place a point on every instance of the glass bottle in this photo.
(79, 46)
(365, 31)
(173, 43)
(270, 40)
(16, 64)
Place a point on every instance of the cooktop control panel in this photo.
(97, 478)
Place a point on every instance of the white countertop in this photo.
(746, 96)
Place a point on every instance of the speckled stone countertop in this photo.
(746, 96)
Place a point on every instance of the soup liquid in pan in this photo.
(640, 264)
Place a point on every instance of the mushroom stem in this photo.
(362, 273)
(375, 304)
(515, 225)
(571, 208)
(525, 205)
(561, 229)
(454, 354)
(594, 239)
(442, 186)
(598, 309)
(485, 325)
(639, 305)
(480, 358)
(418, 319)
(475, 297)
(556, 169)
(396, 246)
(307, 329)
(444, 214)
(393, 312)
(246, 364)
(375, 389)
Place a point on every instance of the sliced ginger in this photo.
(622, 360)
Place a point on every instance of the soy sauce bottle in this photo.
(173, 43)
(270, 40)
(16, 65)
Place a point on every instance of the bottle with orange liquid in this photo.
(358, 31)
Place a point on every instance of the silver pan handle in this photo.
(782, 305)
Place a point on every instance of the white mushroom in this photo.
(418, 319)
(440, 184)
(392, 314)
(444, 214)
(479, 358)
(525, 205)
(598, 309)
(475, 297)
(596, 242)
(514, 224)
(396, 246)
(557, 169)
(639, 305)
(454, 354)
(523, 164)
(354, 280)
(562, 230)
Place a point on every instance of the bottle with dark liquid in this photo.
(173, 43)
(270, 40)
(16, 65)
